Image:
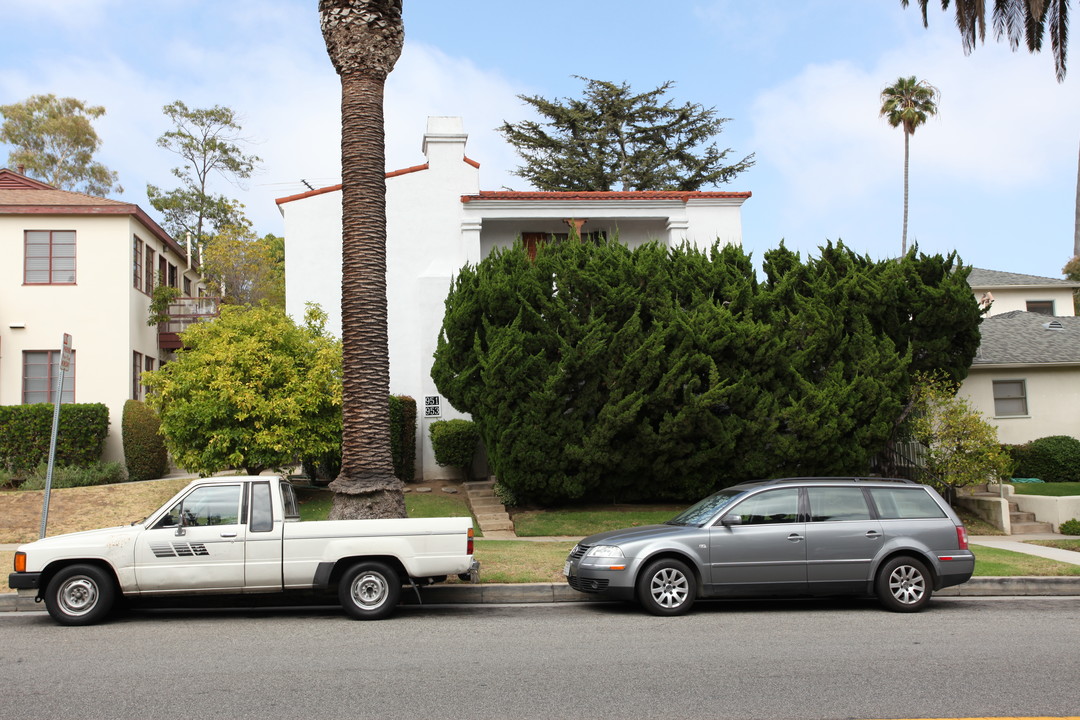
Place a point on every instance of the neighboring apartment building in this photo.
(86, 266)
(1006, 292)
(438, 220)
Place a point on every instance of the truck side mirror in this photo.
(180, 531)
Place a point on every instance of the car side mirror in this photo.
(731, 519)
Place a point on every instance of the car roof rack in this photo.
(821, 479)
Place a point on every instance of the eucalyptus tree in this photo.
(364, 40)
(908, 103)
(54, 139)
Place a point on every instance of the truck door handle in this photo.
(228, 534)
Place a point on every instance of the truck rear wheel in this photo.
(369, 591)
(80, 595)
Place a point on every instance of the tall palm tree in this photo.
(908, 102)
(364, 39)
(1017, 20)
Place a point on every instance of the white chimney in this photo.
(444, 140)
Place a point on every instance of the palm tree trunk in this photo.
(366, 486)
(903, 237)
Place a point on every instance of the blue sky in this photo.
(993, 176)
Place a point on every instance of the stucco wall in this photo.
(1053, 395)
(103, 312)
(1008, 299)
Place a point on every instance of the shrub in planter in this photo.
(1070, 527)
(144, 446)
(1051, 459)
(454, 443)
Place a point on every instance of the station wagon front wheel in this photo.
(904, 585)
(666, 587)
(369, 591)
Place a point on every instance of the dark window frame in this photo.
(52, 258)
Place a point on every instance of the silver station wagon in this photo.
(893, 539)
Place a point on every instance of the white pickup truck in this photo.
(228, 535)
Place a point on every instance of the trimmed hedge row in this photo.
(1051, 459)
(25, 431)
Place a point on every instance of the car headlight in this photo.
(606, 551)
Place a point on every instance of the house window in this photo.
(41, 370)
(172, 276)
(1010, 398)
(1043, 307)
(187, 287)
(50, 257)
(136, 372)
(137, 262)
(148, 281)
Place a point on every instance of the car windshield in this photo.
(702, 511)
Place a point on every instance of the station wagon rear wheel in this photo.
(80, 595)
(904, 585)
(666, 587)
(369, 591)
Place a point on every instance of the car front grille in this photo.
(579, 552)
(586, 584)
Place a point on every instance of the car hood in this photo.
(86, 538)
(634, 534)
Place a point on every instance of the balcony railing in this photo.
(183, 312)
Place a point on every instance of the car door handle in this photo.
(794, 537)
(873, 534)
(228, 534)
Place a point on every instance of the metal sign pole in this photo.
(65, 360)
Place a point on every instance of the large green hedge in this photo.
(25, 431)
(1051, 459)
(600, 373)
(144, 446)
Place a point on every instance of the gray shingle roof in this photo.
(981, 279)
(1020, 337)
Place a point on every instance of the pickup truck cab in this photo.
(238, 535)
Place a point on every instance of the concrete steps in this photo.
(489, 511)
(1024, 523)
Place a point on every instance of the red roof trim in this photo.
(406, 171)
(335, 188)
(604, 195)
(472, 162)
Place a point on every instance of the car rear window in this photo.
(905, 503)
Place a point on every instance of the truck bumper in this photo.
(24, 580)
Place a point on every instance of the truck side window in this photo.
(262, 514)
(209, 505)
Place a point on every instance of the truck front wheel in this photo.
(369, 591)
(80, 595)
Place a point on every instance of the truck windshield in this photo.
(703, 510)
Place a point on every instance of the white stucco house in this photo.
(85, 266)
(1006, 292)
(1025, 378)
(438, 220)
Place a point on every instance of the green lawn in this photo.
(579, 522)
(992, 562)
(1057, 489)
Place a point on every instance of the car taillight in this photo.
(961, 537)
(469, 547)
(20, 562)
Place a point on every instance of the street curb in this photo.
(499, 594)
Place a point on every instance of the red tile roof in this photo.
(390, 174)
